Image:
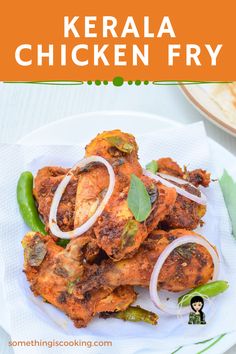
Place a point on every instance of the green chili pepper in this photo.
(210, 289)
(26, 203)
(137, 314)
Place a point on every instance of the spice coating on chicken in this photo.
(81, 290)
(53, 274)
(116, 230)
(45, 185)
(188, 266)
(121, 150)
(185, 213)
(96, 271)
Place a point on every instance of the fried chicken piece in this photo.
(111, 229)
(185, 213)
(53, 273)
(121, 150)
(117, 231)
(80, 199)
(170, 167)
(45, 185)
(187, 266)
(92, 184)
(84, 249)
(87, 186)
(118, 300)
(197, 177)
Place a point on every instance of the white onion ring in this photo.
(175, 179)
(161, 260)
(159, 178)
(61, 189)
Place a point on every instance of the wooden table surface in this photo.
(24, 108)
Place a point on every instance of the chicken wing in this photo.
(87, 186)
(45, 185)
(117, 232)
(121, 150)
(81, 289)
(53, 273)
(185, 213)
(187, 266)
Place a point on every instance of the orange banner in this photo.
(99, 40)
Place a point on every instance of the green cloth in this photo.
(195, 318)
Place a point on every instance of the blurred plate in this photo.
(216, 101)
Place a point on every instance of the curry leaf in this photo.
(120, 144)
(228, 187)
(138, 199)
(152, 166)
(62, 242)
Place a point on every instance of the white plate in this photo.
(205, 100)
(82, 127)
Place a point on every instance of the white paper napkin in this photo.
(30, 319)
